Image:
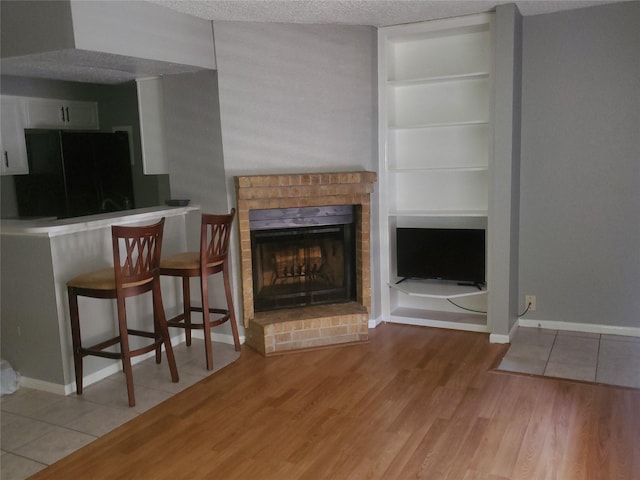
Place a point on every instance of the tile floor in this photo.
(39, 428)
(608, 359)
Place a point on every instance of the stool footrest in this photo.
(98, 348)
(178, 320)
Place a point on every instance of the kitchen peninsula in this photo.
(38, 257)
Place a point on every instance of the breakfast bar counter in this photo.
(38, 256)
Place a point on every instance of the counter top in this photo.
(56, 227)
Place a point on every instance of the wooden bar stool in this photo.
(212, 258)
(136, 260)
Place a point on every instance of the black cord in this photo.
(480, 311)
(464, 308)
(525, 310)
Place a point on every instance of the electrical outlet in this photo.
(530, 301)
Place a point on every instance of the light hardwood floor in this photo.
(412, 403)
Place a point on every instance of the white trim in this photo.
(36, 384)
(374, 322)
(581, 327)
(499, 338)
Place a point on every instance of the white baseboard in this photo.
(500, 338)
(115, 367)
(374, 322)
(580, 327)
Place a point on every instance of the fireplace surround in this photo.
(275, 331)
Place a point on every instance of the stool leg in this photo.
(206, 325)
(232, 313)
(124, 350)
(160, 321)
(75, 337)
(186, 300)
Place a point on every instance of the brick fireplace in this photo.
(291, 329)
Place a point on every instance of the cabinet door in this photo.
(14, 150)
(54, 113)
(81, 115)
(44, 113)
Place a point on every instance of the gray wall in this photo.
(298, 98)
(194, 152)
(580, 195)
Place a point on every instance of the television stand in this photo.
(415, 287)
(426, 304)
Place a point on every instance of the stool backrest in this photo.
(136, 256)
(215, 232)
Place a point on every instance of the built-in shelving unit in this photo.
(435, 103)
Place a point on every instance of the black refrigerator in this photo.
(72, 174)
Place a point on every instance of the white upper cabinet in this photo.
(12, 142)
(62, 114)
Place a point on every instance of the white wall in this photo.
(297, 98)
(580, 195)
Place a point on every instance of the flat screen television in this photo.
(455, 254)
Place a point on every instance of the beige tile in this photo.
(622, 376)
(101, 420)
(113, 392)
(529, 352)
(26, 401)
(571, 350)
(569, 333)
(6, 418)
(618, 354)
(22, 431)
(522, 365)
(621, 338)
(534, 336)
(65, 410)
(15, 467)
(586, 373)
(54, 445)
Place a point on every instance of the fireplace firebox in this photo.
(302, 256)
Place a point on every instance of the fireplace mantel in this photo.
(295, 329)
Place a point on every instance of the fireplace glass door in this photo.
(303, 266)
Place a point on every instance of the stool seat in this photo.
(215, 231)
(187, 261)
(104, 279)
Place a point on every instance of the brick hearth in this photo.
(315, 326)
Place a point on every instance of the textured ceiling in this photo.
(95, 67)
(377, 13)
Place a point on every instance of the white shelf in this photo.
(438, 213)
(436, 289)
(461, 123)
(443, 103)
(443, 78)
(469, 322)
(440, 169)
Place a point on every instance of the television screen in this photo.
(441, 253)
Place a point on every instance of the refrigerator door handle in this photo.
(62, 111)
(6, 159)
(68, 117)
